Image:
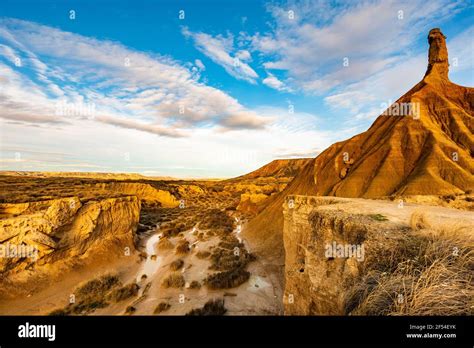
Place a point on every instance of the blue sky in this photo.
(215, 91)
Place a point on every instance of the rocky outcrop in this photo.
(249, 202)
(278, 168)
(421, 145)
(145, 192)
(66, 235)
(331, 242)
(313, 282)
(438, 63)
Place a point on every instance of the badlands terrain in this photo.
(159, 245)
(379, 224)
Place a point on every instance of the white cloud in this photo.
(156, 91)
(243, 55)
(461, 57)
(154, 95)
(311, 48)
(131, 124)
(365, 99)
(200, 64)
(219, 50)
(273, 82)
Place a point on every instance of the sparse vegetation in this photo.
(165, 244)
(124, 292)
(173, 280)
(90, 296)
(97, 287)
(195, 285)
(211, 308)
(230, 256)
(378, 217)
(229, 294)
(203, 254)
(130, 310)
(227, 279)
(182, 247)
(176, 264)
(425, 272)
(162, 307)
(218, 221)
(449, 198)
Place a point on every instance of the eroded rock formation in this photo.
(423, 144)
(63, 234)
(335, 245)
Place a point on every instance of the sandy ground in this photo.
(58, 295)
(260, 295)
(257, 296)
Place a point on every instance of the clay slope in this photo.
(423, 144)
(64, 235)
(264, 232)
(278, 169)
(427, 148)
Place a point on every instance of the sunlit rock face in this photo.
(438, 54)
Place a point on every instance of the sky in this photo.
(207, 89)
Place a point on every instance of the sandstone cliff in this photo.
(145, 192)
(389, 258)
(63, 235)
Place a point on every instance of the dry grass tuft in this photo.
(162, 307)
(182, 247)
(203, 254)
(428, 271)
(174, 280)
(97, 286)
(165, 244)
(227, 279)
(90, 296)
(195, 285)
(418, 220)
(176, 264)
(124, 292)
(212, 307)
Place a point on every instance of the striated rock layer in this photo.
(318, 283)
(63, 235)
(423, 144)
(278, 168)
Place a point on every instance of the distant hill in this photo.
(278, 169)
(89, 175)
